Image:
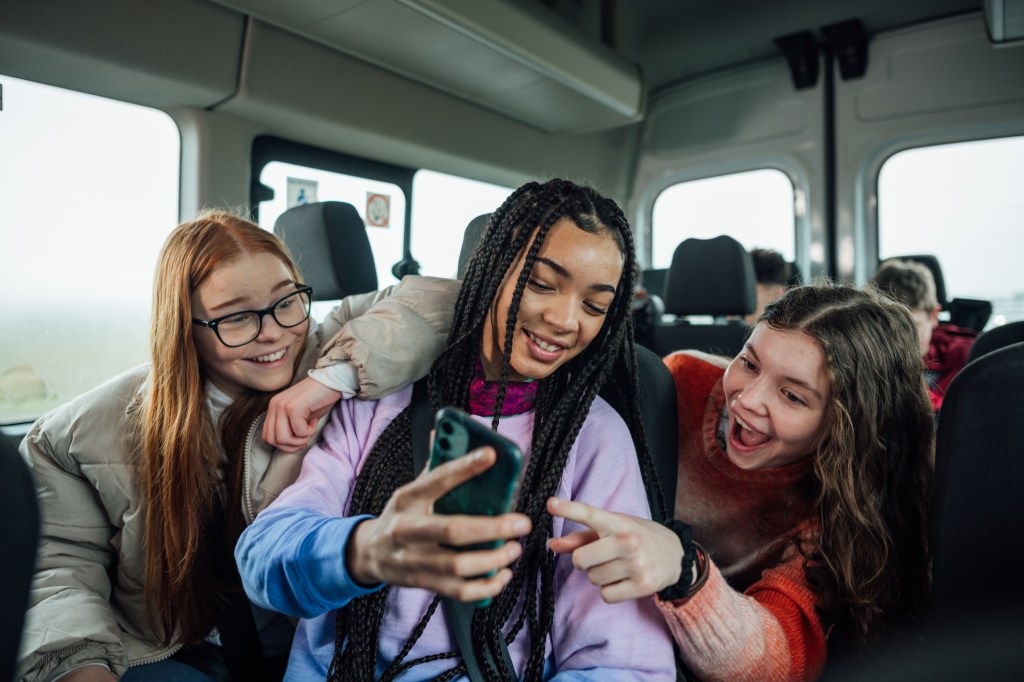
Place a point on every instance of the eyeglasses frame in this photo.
(260, 314)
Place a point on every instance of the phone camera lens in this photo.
(444, 443)
(447, 427)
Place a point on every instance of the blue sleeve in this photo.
(292, 560)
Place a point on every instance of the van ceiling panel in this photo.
(505, 56)
(157, 53)
(349, 105)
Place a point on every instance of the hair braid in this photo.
(563, 402)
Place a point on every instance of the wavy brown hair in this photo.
(181, 453)
(871, 489)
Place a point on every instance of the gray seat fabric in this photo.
(19, 534)
(329, 242)
(707, 277)
(474, 231)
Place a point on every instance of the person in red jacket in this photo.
(804, 481)
(944, 346)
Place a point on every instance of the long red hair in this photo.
(181, 452)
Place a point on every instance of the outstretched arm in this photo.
(304, 556)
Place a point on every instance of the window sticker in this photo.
(378, 209)
(301, 192)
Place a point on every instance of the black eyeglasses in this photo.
(242, 327)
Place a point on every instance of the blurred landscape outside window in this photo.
(89, 193)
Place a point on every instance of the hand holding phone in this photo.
(489, 493)
(409, 545)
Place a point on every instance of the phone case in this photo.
(491, 492)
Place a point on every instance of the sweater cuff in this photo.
(325, 558)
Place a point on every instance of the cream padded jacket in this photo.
(87, 601)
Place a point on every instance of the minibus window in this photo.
(380, 204)
(90, 192)
(963, 204)
(442, 207)
(753, 207)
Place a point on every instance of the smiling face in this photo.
(249, 282)
(563, 306)
(777, 390)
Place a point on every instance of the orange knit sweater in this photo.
(755, 619)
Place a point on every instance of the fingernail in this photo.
(555, 501)
(478, 455)
(514, 550)
(521, 526)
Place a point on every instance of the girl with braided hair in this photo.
(541, 323)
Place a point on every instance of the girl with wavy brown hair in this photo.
(146, 482)
(805, 468)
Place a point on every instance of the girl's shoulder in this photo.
(695, 375)
(109, 401)
(696, 361)
(100, 423)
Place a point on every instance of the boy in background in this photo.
(944, 347)
(773, 273)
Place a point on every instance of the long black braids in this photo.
(562, 405)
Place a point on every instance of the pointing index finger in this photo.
(600, 521)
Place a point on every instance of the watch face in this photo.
(378, 210)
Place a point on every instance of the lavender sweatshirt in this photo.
(292, 558)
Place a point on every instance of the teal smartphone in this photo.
(489, 493)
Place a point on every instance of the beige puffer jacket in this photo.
(87, 603)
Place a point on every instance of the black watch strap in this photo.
(687, 577)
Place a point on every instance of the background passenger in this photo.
(805, 471)
(145, 482)
(542, 321)
(945, 347)
(773, 273)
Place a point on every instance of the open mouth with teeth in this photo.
(746, 437)
(269, 358)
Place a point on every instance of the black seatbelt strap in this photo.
(240, 641)
(458, 614)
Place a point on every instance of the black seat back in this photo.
(329, 243)
(996, 338)
(972, 313)
(19, 534)
(660, 421)
(978, 536)
(707, 277)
